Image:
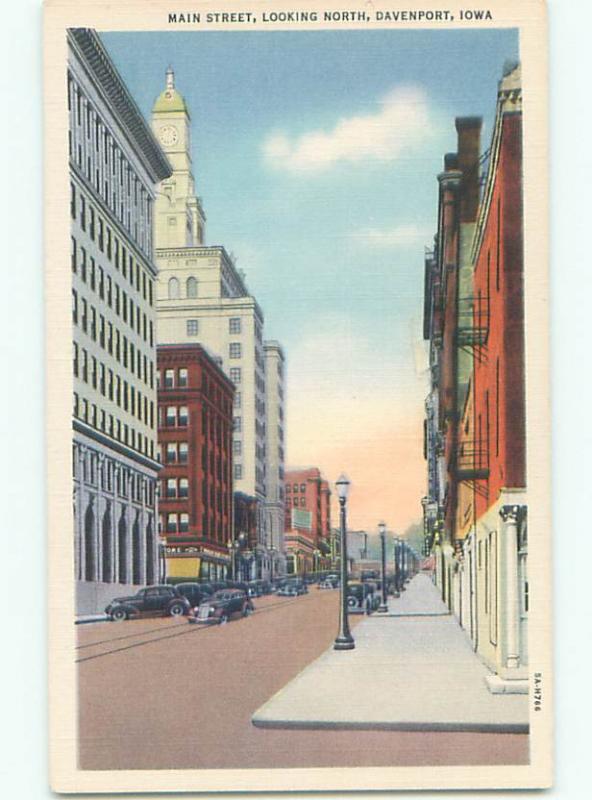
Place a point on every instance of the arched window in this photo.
(173, 289)
(191, 287)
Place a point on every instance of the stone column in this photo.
(510, 517)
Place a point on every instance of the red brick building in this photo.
(307, 521)
(476, 506)
(195, 401)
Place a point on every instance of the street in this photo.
(159, 693)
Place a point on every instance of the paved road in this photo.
(163, 694)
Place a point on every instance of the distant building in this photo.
(115, 163)
(307, 521)
(195, 401)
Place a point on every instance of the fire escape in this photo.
(473, 323)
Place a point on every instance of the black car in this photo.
(362, 597)
(194, 592)
(218, 608)
(297, 584)
(151, 600)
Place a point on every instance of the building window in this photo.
(237, 400)
(183, 523)
(171, 488)
(237, 447)
(192, 327)
(234, 350)
(74, 306)
(183, 487)
(169, 378)
(173, 289)
(237, 424)
(183, 451)
(235, 375)
(183, 416)
(183, 378)
(191, 287)
(171, 416)
(171, 523)
(234, 325)
(171, 452)
(238, 472)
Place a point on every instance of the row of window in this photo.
(173, 378)
(106, 168)
(179, 379)
(112, 386)
(104, 473)
(174, 288)
(173, 416)
(111, 339)
(302, 487)
(102, 421)
(109, 291)
(109, 244)
(297, 501)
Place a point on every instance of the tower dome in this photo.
(170, 99)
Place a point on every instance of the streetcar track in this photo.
(169, 635)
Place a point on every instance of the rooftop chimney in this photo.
(469, 150)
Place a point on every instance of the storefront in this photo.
(196, 562)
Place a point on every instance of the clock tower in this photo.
(179, 217)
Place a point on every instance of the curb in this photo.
(424, 727)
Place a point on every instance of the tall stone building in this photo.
(115, 163)
(203, 298)
(275, 452)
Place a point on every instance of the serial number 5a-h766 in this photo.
(538, 691)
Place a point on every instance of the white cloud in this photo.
(402, 120)
(404, 235)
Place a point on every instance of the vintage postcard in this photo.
(298, 431)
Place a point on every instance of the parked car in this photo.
(194, 592)
(151, 600)
(362, 597)
(328, 584)
(254, 589)
(288, 591)
(218, 608)
(299, 585)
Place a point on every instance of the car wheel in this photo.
(177, 610)
(119, 615)
(223, 619)
(351, 601)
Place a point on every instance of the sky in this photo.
(316, 154)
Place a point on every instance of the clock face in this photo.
(169, 135)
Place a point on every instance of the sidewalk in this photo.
(84, 619)
(412, 670)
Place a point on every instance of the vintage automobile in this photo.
(194, 592)
(326, 583)
(218, 609)
(151, 600)
(362, 597)
(288, 591)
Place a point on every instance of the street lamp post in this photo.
(344, 640)
(397, 592)
(162, 554)
(383, 607)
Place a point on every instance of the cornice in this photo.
(93, 54)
